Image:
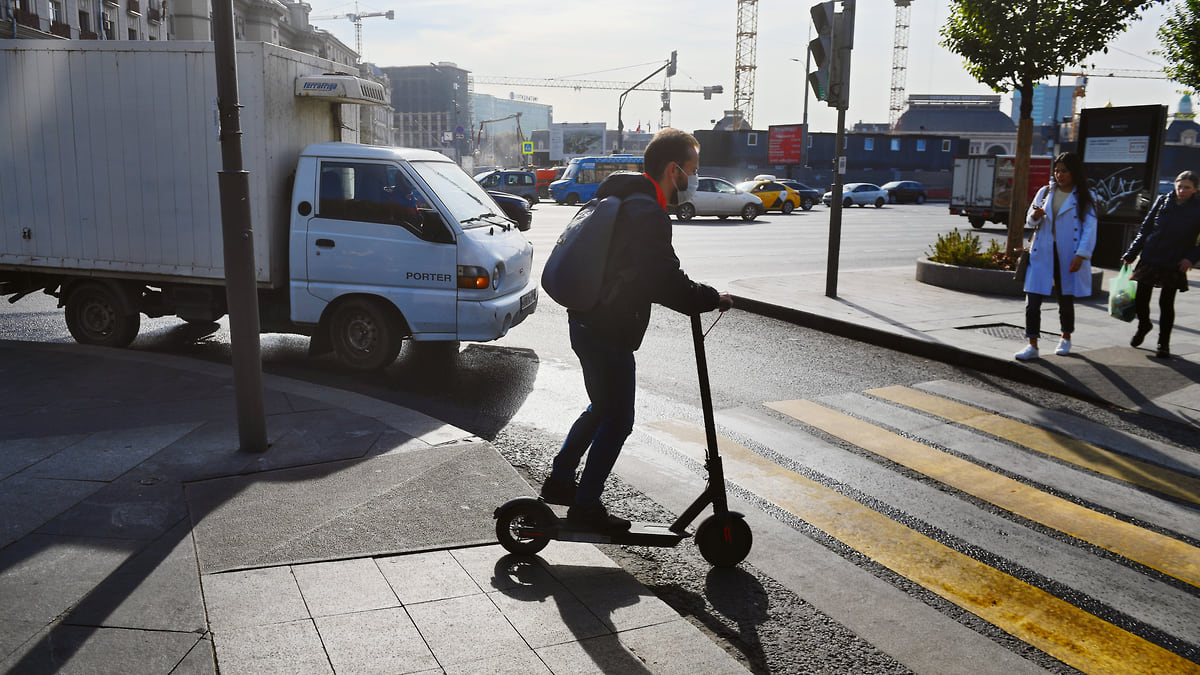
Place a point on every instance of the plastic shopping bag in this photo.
(1121, 294)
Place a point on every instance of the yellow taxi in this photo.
(775, 196)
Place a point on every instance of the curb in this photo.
(1008, 369)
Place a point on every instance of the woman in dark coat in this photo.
(1169, 245)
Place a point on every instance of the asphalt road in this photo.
(810, 598)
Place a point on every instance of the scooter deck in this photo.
(638, 534)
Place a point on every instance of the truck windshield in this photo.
(464, 197)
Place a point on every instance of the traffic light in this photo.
(821, 48)
(831, 52)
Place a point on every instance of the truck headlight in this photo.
(472, 276)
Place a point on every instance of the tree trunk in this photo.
(1020, 188)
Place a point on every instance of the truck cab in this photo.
(389, 243)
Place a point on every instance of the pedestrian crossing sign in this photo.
(527, 147)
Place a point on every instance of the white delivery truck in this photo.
(109, 163)
(981, 186)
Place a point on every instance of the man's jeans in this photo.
(609, 376)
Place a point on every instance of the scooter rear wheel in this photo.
(515, 518)
(724, 541)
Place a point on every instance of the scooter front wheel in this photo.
(724, 541)
(521, 525)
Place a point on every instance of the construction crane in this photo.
(578, 85)
(899, 62)
(357, 19)
(743, 65)
(584, 84)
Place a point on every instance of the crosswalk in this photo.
(1072, 537)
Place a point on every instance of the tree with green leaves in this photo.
(1013, 44)
(1180, 38)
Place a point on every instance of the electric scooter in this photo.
(527, 525)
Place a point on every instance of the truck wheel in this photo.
(365, 336)
(685, 212)
(976, 222)
(572, 199)
(95, 316)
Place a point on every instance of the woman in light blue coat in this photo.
(1060, 257)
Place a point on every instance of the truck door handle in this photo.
(324, 243)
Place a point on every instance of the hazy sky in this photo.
(632, 38)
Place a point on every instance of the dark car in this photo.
(520, 183)
(808, 196)
(901, 191)
(516, 208)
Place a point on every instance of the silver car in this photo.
(862, 194)
(720, 198)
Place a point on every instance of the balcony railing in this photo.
(88, 35)
(133, 7)
(30, 19)
(60, 29)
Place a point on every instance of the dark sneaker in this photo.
(557, 492)
(1164, 352)
(595, 518)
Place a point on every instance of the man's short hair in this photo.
(668, 145)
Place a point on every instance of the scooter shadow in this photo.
(589, 604)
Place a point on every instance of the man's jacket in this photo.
(642, 268)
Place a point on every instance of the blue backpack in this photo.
(574, 273)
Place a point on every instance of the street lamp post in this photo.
(669, 66)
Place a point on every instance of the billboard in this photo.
(1120, 148)
(785, 144)
(568, 141)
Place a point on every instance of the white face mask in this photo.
(685, 195)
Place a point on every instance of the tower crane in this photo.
(357, 18)
(582, 84)
(597, 84)
(899, 62)
(744, 62)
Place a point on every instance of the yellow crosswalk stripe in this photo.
(1077, 452)
(1026, 612)
(1160, 552)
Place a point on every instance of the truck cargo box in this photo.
(113, 155)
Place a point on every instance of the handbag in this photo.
(1022, 266)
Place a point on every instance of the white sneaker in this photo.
(1064, 347)
(1028, 354)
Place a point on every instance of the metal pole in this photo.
(241, 290)
(835, 211)
(804, 122)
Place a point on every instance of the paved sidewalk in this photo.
(890, 308)
(135, 537)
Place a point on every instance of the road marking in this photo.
(1160, 552)
(1026, 612)
(1046, 442)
